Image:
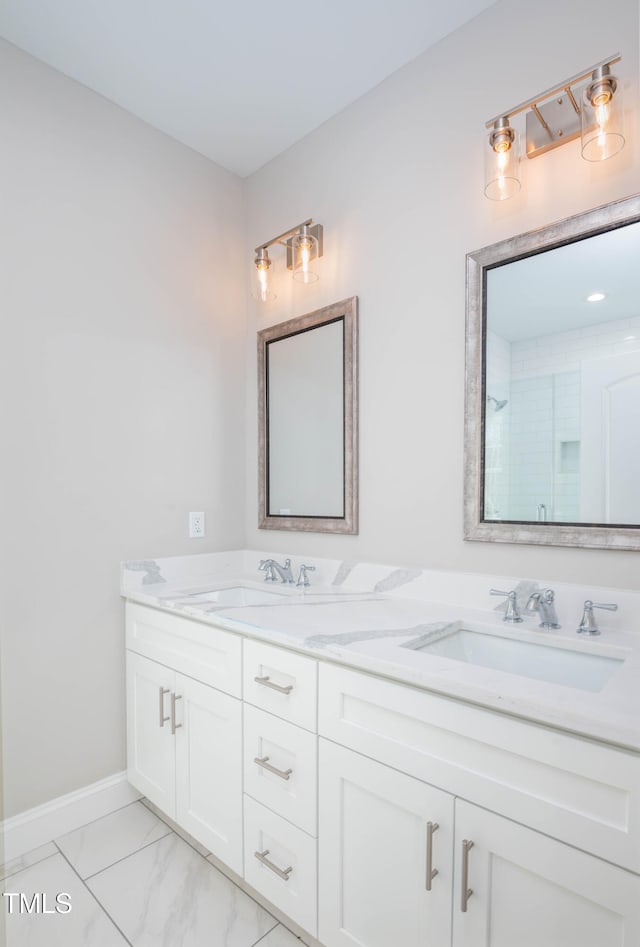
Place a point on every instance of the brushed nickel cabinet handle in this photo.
(262, 857)
(162, 691)
(467, 845)
(267, 682)
(174, 726)
(264, 762)
(431, 871)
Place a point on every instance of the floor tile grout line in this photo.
(70, 832)
(64, 835)
(259, 941)
(284, 927)
(98, 818)
(95, 898)
(17, 871)
(118, 861)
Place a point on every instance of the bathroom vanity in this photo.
(376, 793)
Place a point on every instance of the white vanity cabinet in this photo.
(378, 847)
(377, 814)
(393, 870)
(184, 738)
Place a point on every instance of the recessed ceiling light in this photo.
(596, 297)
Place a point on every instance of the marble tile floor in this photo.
(132, 882)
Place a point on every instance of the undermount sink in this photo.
(543, 662)
(232, 595)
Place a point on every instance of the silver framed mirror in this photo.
(552, 386)
(308, 421)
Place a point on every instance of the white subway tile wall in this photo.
(532, 447)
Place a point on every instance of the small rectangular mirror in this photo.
(308, 459)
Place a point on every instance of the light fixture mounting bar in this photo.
(282, 238)
(555, 90)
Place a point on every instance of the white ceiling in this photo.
(547, 293)
(239, 82)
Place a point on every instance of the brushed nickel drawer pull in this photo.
(431, 871)
(262, 857)
(467, 845)
(174, 726)
(267, 682)
(162, 692)
(264, 762)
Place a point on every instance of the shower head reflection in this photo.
(498, 405)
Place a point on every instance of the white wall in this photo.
(397, 181)
(121, 399)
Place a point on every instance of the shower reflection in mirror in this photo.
(562, 375)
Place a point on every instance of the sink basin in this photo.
(232, 595)
(543, 662)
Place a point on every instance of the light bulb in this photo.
(602, 117)
(305, 248)
(262, 291)
(305, 256)
(263, 282)
(502, 179)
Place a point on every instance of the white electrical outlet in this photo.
(196, 525)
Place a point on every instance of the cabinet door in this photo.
(373, 855)
(150, 744)
(209, 768)
(530, 890)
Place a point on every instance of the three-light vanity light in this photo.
(303, 245)
(562, 113)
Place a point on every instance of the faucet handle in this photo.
(266, 566)
(512, 614)
(303, 578)
(589, 625)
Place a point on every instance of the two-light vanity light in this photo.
(303, 244)
(554, 117)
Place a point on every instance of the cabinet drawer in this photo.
(292, 790)
(288, 877)
(201, 651)
(286, 683)
(579, 791)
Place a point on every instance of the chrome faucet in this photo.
(273, 569)
(544, 602)
(589, 625)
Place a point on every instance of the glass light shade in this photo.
(602, 119)
(501, 163)
(304, 248)
(261, 289)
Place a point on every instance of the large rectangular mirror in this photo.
(552, 434)
(308, 457)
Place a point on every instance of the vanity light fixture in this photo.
(502, 158)
(561, 114)
(303, 244)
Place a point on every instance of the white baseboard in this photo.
(35, 827)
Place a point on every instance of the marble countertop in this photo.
(368, 625)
